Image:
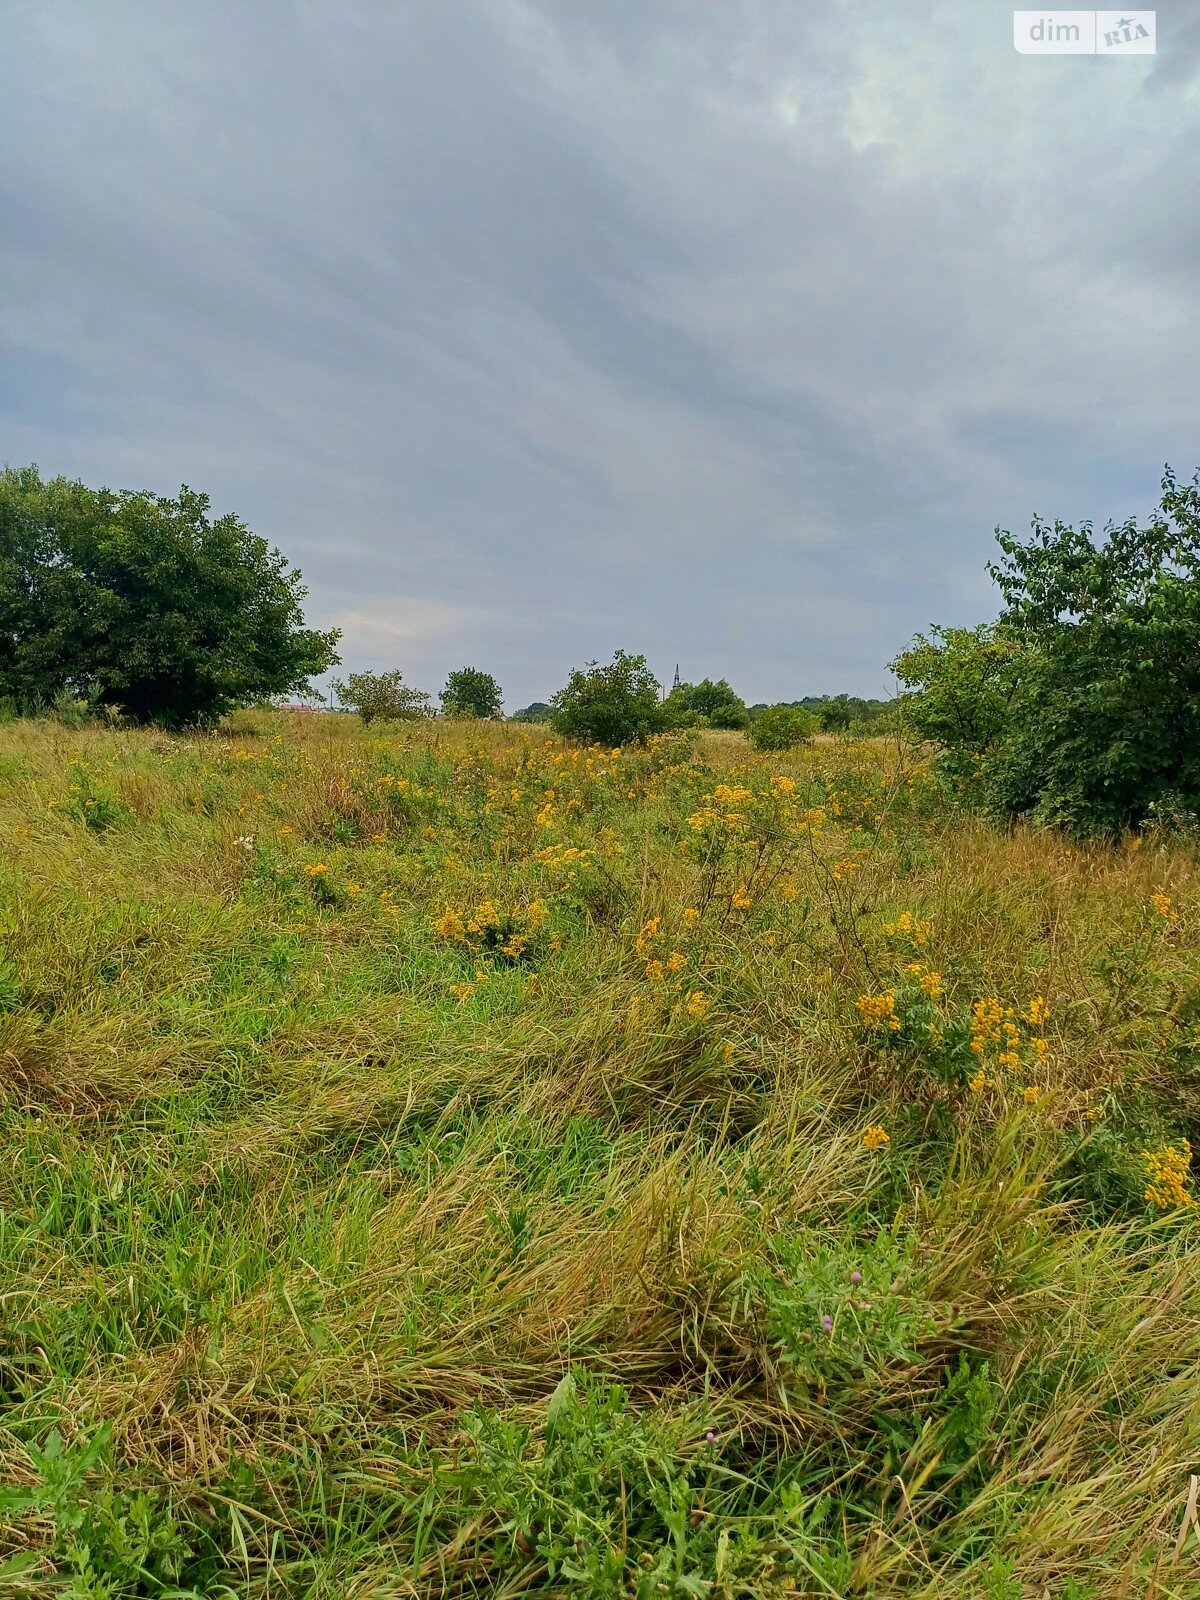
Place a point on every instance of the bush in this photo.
(782, 728)
(471, 693)
(143, 603)
(535, 711)
(706, 704)
(382, 697)
(1080, 707)
(610, 705)
(962, 683)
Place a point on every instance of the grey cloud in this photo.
(531, 330)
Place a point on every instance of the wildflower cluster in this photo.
(510, 934)
(564, 860)
(878, 1011)
(1009, 1038)
(662, 962)
(1164, 906)
(723, 811)
(908, 930)
(1167, 1169)
(928, 981)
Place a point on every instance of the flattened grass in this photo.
(432, 1162)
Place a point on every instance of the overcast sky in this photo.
(721, 331)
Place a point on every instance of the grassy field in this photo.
(442, 1161)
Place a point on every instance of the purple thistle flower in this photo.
(856, 1276)
(827, 1323)
(711, 1437)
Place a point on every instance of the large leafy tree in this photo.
(1083, 700)
(613, 704)
(471, 693)
(144, 603)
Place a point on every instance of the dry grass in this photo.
(329, 1225)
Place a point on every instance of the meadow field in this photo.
(440, 1160)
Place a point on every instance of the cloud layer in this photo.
(726, 333)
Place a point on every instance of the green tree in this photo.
(145, 603)
(715, 702)
(961, 687)
(471, 693)
(382, 697)
(612, 704)
(1083, 700)
(535, 711)
(782, 728)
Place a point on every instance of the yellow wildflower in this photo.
(697, 1003)
(1163, 904)
(676, 961)
(450, 924)
(879, 1010)
(1168, 1174)
(876, 1136)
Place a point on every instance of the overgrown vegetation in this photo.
(781, 728)
(449, 1161)
(1080, 706)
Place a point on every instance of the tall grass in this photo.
(440, 1162)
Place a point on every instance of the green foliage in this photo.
(715, 703)
(1083, 699)
(782, 728)
(839, 713)
(838, 1311)
(112, 1543)
(382, 697)
(961, 686)
(143, 603)
(612, 705)
(618, 1504)
(535, 711)
(471, 693)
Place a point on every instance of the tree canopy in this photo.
(382, 697)
(613, 704)
(1080, 706)
(716, 703)
(471, 693)
(145, 603)
(782, 727)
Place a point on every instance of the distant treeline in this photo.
(716, 705)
